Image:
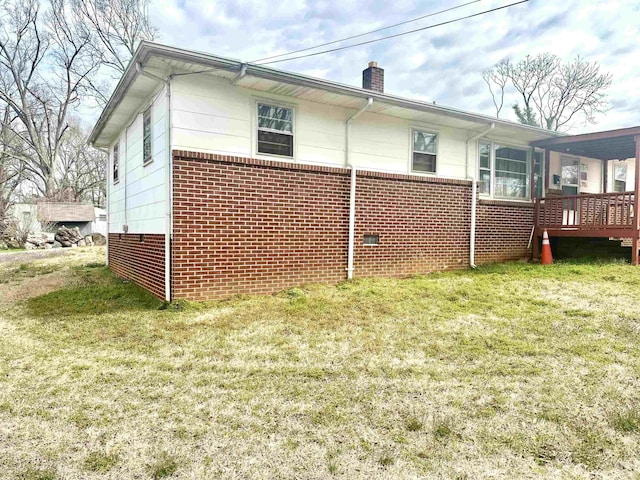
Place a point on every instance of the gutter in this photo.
(168, 223)
(474, 195)
(352, 191)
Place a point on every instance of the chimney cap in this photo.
(373, 63)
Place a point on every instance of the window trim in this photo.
(115, 162)
(430, 131)
(492, 163)
(254, 129)
(147, 160)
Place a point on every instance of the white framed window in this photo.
(570, 175)
(620, 178)
(424, 151)
(147, 155)
(275, 134)
(116, 162)
(504, 171)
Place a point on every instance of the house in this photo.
(228, 178)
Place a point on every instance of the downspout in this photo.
(474, 194)
(352, 192)
(240, 75)
(169, 197)
(168, 181)
(108, 192)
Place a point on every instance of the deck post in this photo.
(535, 248)
(547, 167)
(636, 206)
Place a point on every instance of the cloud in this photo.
(443, 64)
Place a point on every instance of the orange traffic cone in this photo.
(547, 258)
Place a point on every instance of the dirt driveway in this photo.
(31, 255)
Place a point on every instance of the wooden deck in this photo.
(587, 215)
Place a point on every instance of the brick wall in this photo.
(422, 223)
(250, 226)
(502, 230)
(253, 226)
(141, 262)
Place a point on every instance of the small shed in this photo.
(53, 215)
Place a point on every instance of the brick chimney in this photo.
(373, 77)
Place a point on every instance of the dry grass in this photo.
(510, 371)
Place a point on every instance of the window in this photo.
(485, 169)
(275, 130)
(538, 173)
(511, 172)
(116, 162)
(569, 175)
(504, 171)
(424, 152)
(146, 136)
(620, 178)
(371, 239)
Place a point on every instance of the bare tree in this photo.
(47, 61)
(81, 171)
(55, 56)
(553, 92)
(118, 26)
(497, 79)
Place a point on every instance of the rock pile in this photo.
(68, 236)
(65, 237)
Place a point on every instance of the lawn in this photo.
(509, 371)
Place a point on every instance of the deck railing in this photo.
(598, 211)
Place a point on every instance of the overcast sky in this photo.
(443, 64)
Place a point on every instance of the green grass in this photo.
(507, 371)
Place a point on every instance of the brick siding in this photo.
(254, 226)
(141, 262)
(422, 225)
(503, 230)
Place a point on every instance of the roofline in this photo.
(586, 137)
(147, 49)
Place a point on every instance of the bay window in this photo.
(504, 171)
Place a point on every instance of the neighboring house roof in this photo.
(65, 212)
(161, 60)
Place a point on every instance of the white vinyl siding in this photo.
(213, 116)
(143, 211)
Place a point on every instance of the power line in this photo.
(396, 35)
(366, 33)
